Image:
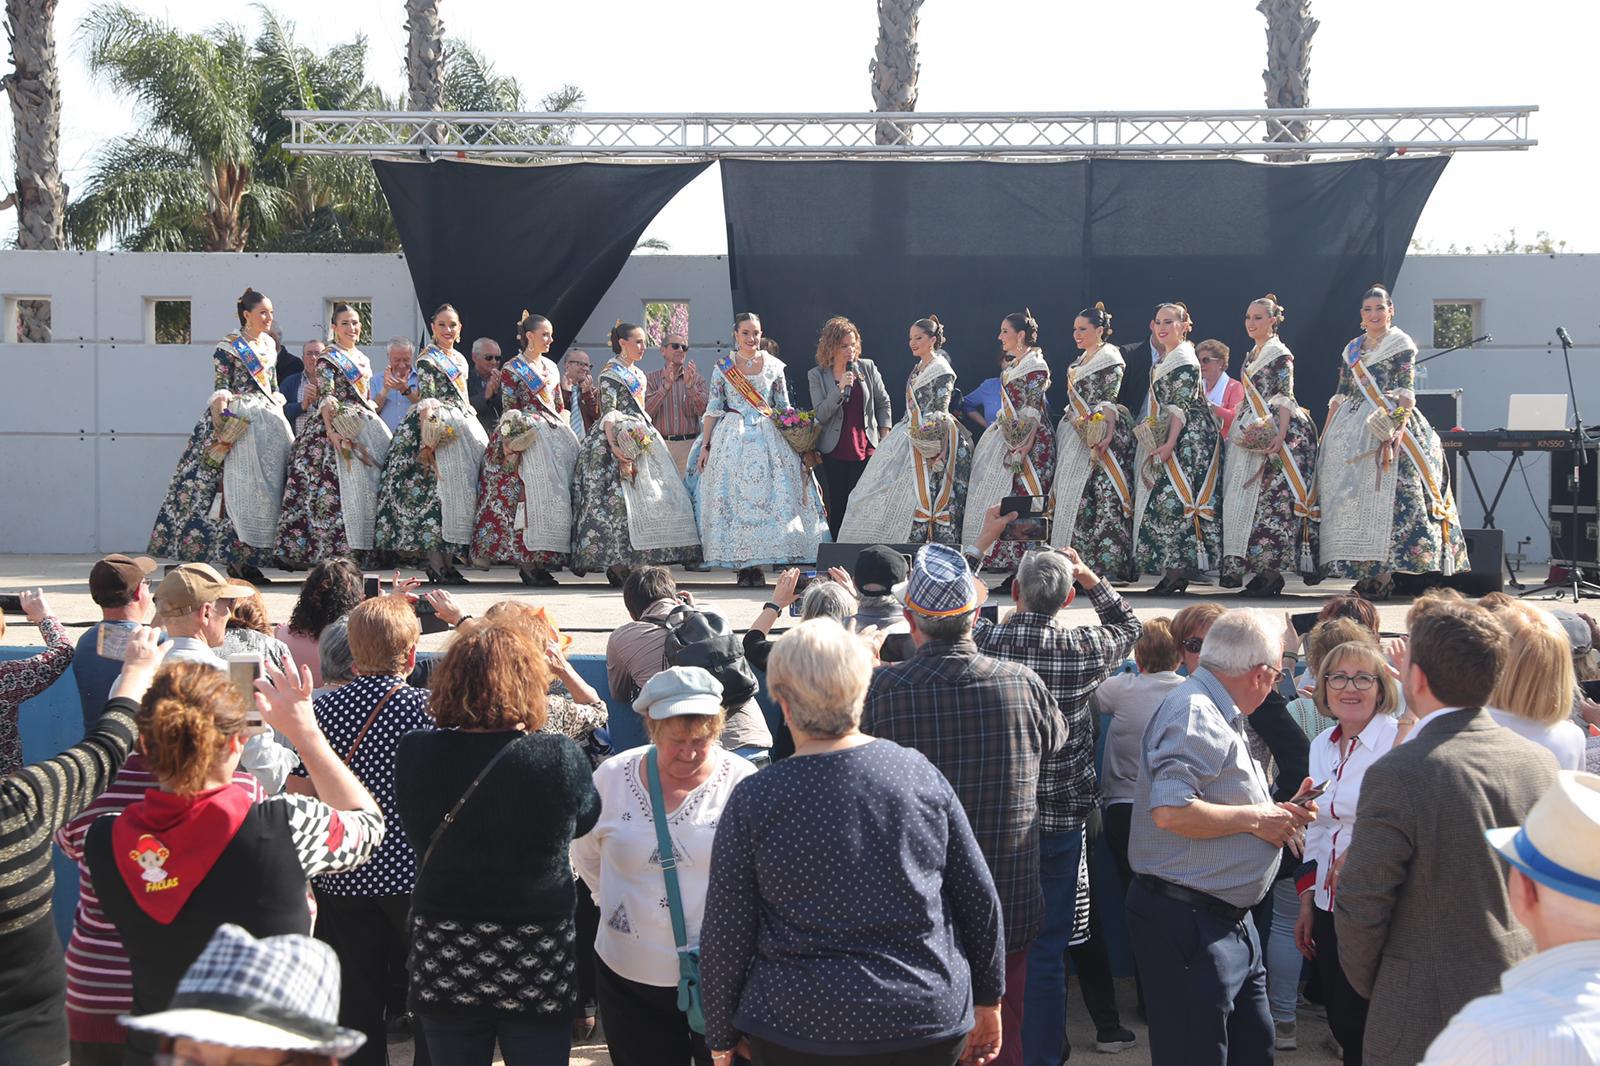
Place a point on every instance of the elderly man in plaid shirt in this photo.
(986, 724)
(1072, 663)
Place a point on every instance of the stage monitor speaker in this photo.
(844, 555)
(1484, 574)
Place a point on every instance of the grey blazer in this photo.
(828, 402)
(1421, 911)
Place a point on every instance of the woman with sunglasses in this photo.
(1355, 689)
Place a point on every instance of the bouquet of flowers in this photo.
(1387, 424)
(1256, 435)
(801, 429)
(434, 433)
(348, 422)
(1092, 430)
(518, 431)
(930, 437)
(229, 428)
(1151, 431)
(633, 440)
(1017, 433)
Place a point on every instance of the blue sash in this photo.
(630, 376)
(457, 377)
(259, 372)
(348, 368)
(528, 374)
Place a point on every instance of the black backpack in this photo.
(703, 639)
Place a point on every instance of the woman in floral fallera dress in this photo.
(428, 495)
(1269, 500)
(1093, 489)
(1176, 467)
(331, 498)
(222, 506)
(525, 492)
(1016, 454)
(914, 488)
(757, 502)
(1388, 505)
(629, 505)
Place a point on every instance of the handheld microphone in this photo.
(853, 367)
(1561, 335)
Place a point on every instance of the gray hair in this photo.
(952, 628)
(333, 650)
(1044, 581)
(479, 345)
(820, 671)
(827, 599)
(1239, 640)
(402, 344)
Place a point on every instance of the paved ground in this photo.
(1315, 1041)
(585, 607)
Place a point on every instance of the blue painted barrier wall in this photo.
(52, 722)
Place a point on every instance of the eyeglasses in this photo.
(1193, 645)
(1277, 674)
(1340, 682)
(675, 346)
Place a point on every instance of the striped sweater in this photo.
(35, 801)
(99, 976)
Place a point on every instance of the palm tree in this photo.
(472, 84)
(185, 181)
(34, 89)
(1288, 74)
(425, 59)
(894, 66)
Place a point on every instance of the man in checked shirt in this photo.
(1071, 662)
(986, 724)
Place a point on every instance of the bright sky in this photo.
(1025, 55)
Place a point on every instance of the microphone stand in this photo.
(1575, 582)
(1455, 348)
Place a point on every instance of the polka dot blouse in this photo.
(850, 911)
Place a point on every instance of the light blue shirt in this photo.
(265, 757)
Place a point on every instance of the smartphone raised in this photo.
(11, 602)
(243, 669)
(111, 641)
(1032, 522)
(371, 586)
(1591, 690)
(1304, 621)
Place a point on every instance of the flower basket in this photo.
(229, 429)
(1386, 424)
(931, 436)
(434, 433)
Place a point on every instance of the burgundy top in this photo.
(853, 443)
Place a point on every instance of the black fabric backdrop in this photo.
(496, 240)
(885, 243)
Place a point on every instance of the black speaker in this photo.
(1484, 574)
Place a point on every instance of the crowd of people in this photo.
(1162, 463)
(865, 838)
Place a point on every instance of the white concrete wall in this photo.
(91, 425)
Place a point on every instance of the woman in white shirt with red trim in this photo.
(1355, 689)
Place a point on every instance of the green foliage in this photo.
(1542, 244)
(1452, 323)
(208, 171)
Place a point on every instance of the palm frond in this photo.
(133, 180)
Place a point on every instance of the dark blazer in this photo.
(1421, 911)
(1136, 376)
(828, 402)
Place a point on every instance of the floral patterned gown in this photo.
(1023, 385)
(601, 535)
(757, 503)
(916, 481)
(190, 526)
(410, 515)
(496, 535)
(1377, 519)
(1269, 507)
(315, 518)
(1169, 533)
(1093, 504)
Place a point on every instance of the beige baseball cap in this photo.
(188, 586)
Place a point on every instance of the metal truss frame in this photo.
(1283, 135)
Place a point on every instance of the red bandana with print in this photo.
(166, 844)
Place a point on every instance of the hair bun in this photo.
(934, 319)
(1271, 296)
(1099, 305)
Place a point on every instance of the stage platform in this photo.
(590, 609)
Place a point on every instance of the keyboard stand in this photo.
(1490, 506)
